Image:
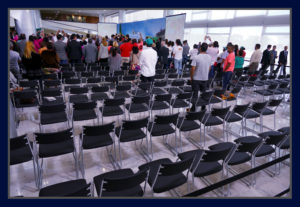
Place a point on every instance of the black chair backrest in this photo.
(273, 86)
(103, 73)
(275, 102)
(215, 155)
(83, 192)
(95, 68)
(167, 119)
(133, 72)
(275, 139)
(87, 74)
(79, 90)
(159, 76)
(68, 74)
(206, 95)
(54, 137)
(52, 76)
(175, 168)
(172, 70)
(172, 75)
(252, 78)
(249, 146)
(51, 83)
(284, 130)
(140, 99)
(18, 142)
(220, 111)
(49, 93)
(96, 89)
(98, 130)
(163, 97)
(219, 92)
(93, 80)
(29, 84)
(129, 77)
(123, 87)
(123, 183)
(52, 108)
(145, 86)
(162, 83)
(177, 83)
(28, 94)
(111, 79)
(114, 102)
(240, 109)
(195, 115)
(259, 105)
(84, 105)
(236, 90)
(135, 124)
(185, 95)
(118, 73)
(72, 81)
(283, 85)
(160, 72)
(80, 68)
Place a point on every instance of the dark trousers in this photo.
(75, 61)
(226, 78)
(197, 86)
(264, 67)
(103, 60)
(147, 79)
(283, 69)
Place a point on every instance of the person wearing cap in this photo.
(148, 60)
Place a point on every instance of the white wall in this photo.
(73, 26)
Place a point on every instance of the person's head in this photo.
(240, 53)
(129, 40)
(216, 44)
(257, 46)
(236, 47)
(59, 37)
(154, 45)
(112, 36)
(203, 47)
(88, 36)
(172, 43)
(115, 44)
(185, 42)
(22, 36)
(90, 41)
(104, 42)
(49, 46)
(106, 37)
(224, 49)
(29, 48)
(134, 41)
(163, 43)
(149, 42)
(31, 38)
(73, 37)
(269, 47)
(135, 50)
(195, 46)
(285, 48)
(230, 47)
(178, 42)
(274, 47)
(113, 51)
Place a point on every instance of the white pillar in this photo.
(122, 17)
(101, 18)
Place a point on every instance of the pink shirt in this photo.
(37, 45)
(229, 59)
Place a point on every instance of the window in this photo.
(222, 39)
(188, 14)
(143, 15)
(245, 13)
(199, 16)
(112, 19)
(278, 12)
(218, 30)
(282, 29)
(194, 35)
(221, 14)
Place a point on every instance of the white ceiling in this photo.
(89, 12)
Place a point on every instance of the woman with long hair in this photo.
(114, 60)
(134, 58)
(103, 51)
(50, 59)
(177, 54)
(32, 62)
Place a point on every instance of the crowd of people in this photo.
(45, 53)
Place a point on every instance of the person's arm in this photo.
(193, 68)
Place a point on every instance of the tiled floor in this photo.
(59, 169)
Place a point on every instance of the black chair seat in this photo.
(233, 117)
(78, 98)
(112, 111)
(80, 115)
(158, 91)
(121, 94)
(57, 101)
(264, 92)
(158, 105)
(179, 103)
(163, 183)
(265, 150)
(215, 100)
(284, 90)
(99, 96)
(51, 118)
(69, 188)
(67, 88)
(239, 158)
(140, 92)
(20, 155)
(266, 111)
(200, 102)
(247, 139)
(221, 146)
(136, 108)
(91, 142)
(50, 150)
(130, 135)
(269, 133)
(259, 83)
(212, 120)
(207, 168)
(250, 114)
(132, 192)
(187, 88)
(285, 130)
(188, 125)
(33, 104)
(286, 144)
(174, 90)
(161, 129)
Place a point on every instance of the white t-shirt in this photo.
(177, 51)
(193, 53)
(213, 53)
(148, 60)
(202, 63)
(170, 51)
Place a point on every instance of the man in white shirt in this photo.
(177, 54)
(194, 52)
(255, 59)
(148, 60)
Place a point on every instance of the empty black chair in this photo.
(54, 144)
(80, 69)
(158, 87)
(51, 84)
(269, 91)
(203, 100)
(143, 89)
(129, 78)
(182, 100)
(160, 102)
(50, 114)
(138, 104)
(71, 83)
(25, 98)
(84, 111)
(86, 74)
(121, 183)
(99, 93)
(165, 175)
(32, 84)
(133, 130)
(163, 126)
(112, 107)
(175, 86)
(52, 96)
(93, 137)
(78, 95)
(72, 188)
(51, 76)
(122, 91)
(93, 81)
(67, 75)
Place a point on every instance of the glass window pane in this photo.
(278, 12)
(187, 12)
(283, 29)
(153, 14)
(222, 40)
(221, 14)
(199, 16)
(244, 13)
(194, 35)
(218, 30)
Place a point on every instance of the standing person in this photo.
(32, 62)
(134, 58)
(177, 54)
(21, 43)
(61, 48)
(193, 52)
(186, 50)
(90, 52)
(14, 59)
(199, 73)
(103, 51)
(239, 61)
(50, 59)
(125, 49)
(163, 54)
(114, 60)
(255, 59)
(282, 61)
(213, 53)
(74, 50)
(170, 59)
(228, 66)
(266, 59)
(148, 60)
(273, 58)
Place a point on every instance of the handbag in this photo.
(135, 67)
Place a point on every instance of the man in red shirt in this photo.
(228, 66)
(125, 49)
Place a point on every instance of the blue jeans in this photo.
(211, 72)
(63, 62)
(226, 79)
(178, 66)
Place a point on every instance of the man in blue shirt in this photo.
(274, 56)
